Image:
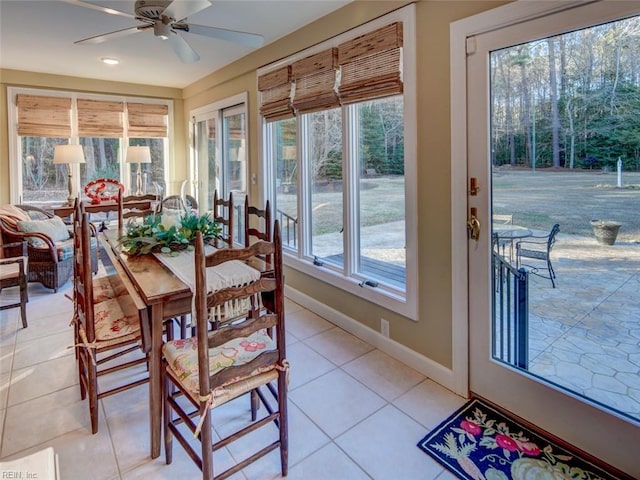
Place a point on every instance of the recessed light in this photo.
(110, 60)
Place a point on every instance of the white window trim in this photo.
(15, 167)
(405, 303)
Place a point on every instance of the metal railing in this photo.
(288, 228)
(510, 325)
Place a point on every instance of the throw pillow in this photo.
(54, 228)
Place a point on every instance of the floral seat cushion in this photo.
(115, 318)
(107, 287)
(182, 356)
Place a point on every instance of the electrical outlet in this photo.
(384, 327)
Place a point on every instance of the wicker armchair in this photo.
(50, 261)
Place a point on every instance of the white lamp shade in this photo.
(138, 155)
(68, 154)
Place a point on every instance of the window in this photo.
(339, 145)
(220, 155)
(103, 125)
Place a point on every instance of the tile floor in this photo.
(355, 413)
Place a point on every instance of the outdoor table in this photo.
(505, 233)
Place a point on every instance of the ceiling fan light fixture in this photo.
(109, 60)
(161, 29)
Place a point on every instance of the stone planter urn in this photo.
(605, 231)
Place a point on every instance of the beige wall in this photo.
(15, 78)
(431, 335)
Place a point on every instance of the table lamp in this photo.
(68, 154)
(138, 155)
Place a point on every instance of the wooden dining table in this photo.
(166, 296)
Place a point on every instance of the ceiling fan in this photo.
(167, 18)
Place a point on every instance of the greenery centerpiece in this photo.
(153, 236)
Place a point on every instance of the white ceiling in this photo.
(38, 36)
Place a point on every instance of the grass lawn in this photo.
(539, 199)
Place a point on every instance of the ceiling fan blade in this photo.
(181, 9)
(111, 35)
(99, 8)
(183, 49)
(249, 39)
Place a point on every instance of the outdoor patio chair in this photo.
(538, 248)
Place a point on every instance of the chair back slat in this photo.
(226, 375)
(226, 254)
(245, 329)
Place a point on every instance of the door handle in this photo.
(473, 226)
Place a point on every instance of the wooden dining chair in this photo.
(134, 206)
(223, 214)
(220, 365)
(13, 273)
(104, 331)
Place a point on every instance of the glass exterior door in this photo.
(547, 340)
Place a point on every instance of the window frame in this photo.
(15, 165)
(236, 104)
(404, 303)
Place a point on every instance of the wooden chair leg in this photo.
(206, 442)
(167, 391)
(24, 298)
(93, 391)
(81, 373)
(168, 329)
(255, 405)
(183, 326)
(283, 423)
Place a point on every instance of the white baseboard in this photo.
(427, 367)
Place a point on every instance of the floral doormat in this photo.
(478, 442)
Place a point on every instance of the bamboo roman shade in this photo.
(370, 65)
(40, 116)
(98, 118)
(315, 82)
(275, 94)
(147, 120)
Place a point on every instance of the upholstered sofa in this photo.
(49, 243)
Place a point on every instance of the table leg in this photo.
(155, 379)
